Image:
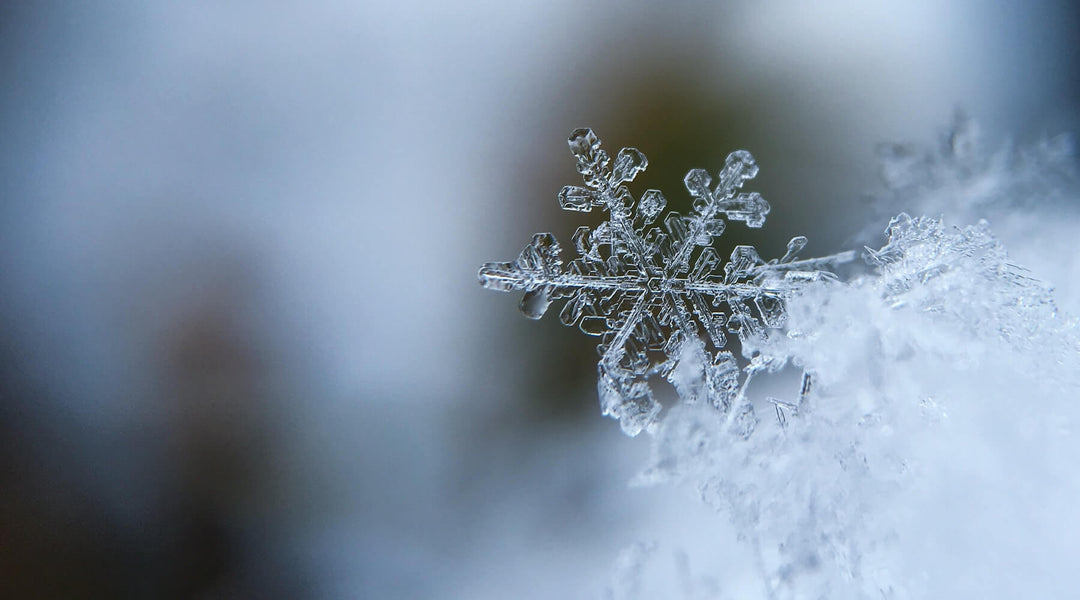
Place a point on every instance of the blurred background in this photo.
(243, 352)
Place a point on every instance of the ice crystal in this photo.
(926, 264)
(1016, 187)
(657, 296)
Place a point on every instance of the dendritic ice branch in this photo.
(657, 295)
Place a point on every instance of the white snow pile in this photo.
(935, 452)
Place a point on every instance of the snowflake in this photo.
(657, 296)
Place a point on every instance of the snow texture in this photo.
(934, 454)
(658, 296)
(829, 502)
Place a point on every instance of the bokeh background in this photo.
(243, 352)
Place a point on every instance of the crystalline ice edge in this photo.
(651, 291)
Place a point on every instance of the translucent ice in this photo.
(645, 288)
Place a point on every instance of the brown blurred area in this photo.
(214, 445)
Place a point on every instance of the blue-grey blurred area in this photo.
(244, 352)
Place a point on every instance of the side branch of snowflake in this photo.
(656, 295)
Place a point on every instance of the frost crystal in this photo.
(925, 263)
(657, 295)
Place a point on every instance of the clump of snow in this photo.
(935, 453)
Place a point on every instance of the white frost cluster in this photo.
(944, 384)
(935, 454)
